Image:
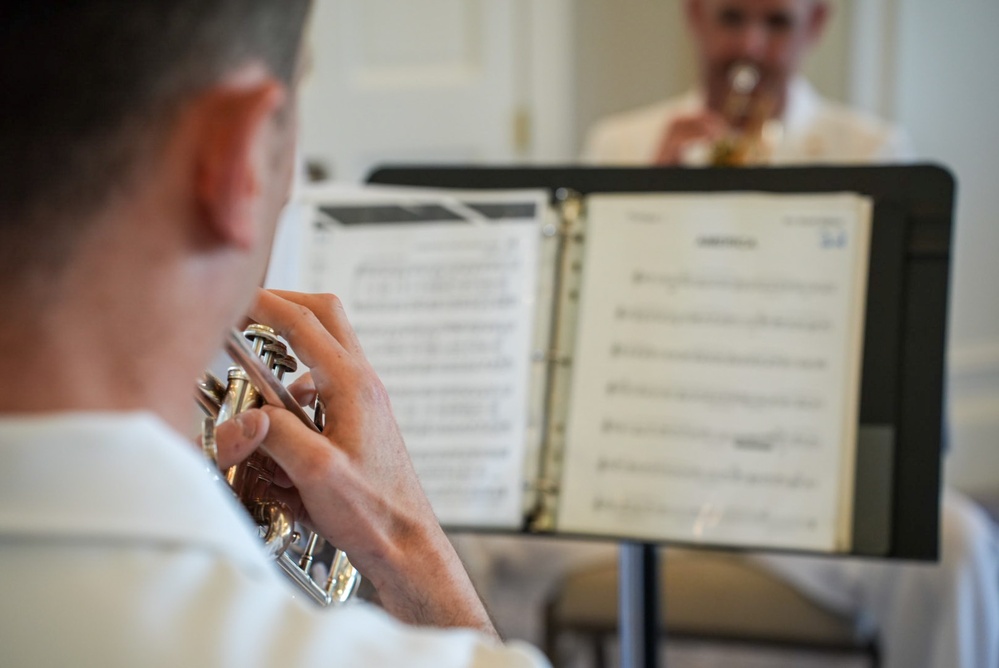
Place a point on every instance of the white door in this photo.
(412, 80)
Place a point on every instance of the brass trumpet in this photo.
(261, 362)
(747, 109)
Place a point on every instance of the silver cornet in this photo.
(261, 362)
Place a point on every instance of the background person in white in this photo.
(941, 616)
(774, 37)
(146, 150)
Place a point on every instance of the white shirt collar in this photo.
(116, 477)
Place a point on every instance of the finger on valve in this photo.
(238, 438)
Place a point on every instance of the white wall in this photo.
(946, 94)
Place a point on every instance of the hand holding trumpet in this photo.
(741, 132)
(690, 131)
(354, 483)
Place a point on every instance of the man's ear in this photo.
(234, 142)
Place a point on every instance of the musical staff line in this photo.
(694, 473)
(430, 367)
(469, 493)
(716, 398)
(766, 286)
(774, 439)
(416, 330)
(415, 429)
(642, 351)
(471, 303)
(410, 272)
(705, 517)
(464, 391)
(433, 347)
(723, 319)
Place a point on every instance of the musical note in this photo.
(725, 358)
(770, 286)
(700, 474)
(702, 435)
(715, 370)
(707, 521)
(753, 321)
(716, 398)
(445, 313)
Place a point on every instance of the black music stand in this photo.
(902, 387)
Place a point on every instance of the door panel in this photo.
(404, 81)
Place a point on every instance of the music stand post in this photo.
(638, 605)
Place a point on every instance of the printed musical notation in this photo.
(443, 347)
(700, 474)
(444, 310)
(714, 397)
(716, 366)
(725, 358)
(638, 433)
(460, 410)
(388, 287)
(457, 475)
(711, 351)
(728, 320)
(707, 521)
(729, 283)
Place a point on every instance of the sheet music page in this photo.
(441, 292)
(716, 371)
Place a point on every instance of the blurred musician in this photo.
(749, 55)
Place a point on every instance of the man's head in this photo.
(92, 92)
(773, 35)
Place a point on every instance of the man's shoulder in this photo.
(829, 131)
(850, 119)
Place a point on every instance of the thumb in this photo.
(240, 436)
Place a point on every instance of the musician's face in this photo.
(774, 35)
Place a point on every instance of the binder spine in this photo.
(557, 359)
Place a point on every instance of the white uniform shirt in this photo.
(117, 548)
(815, 130)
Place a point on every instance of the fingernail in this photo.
(248, 425)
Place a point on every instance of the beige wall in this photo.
(946, 96)
(628, 53)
